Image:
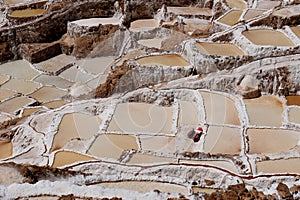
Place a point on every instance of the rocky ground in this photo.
(154, 99)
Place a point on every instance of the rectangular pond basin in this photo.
(14, 104)
(287, 12)
(20, 69)
(162, 144)
(220, 109)
(21, 86)
(96, 65)
(231, 18)
(164, 60)
(146, 186)
(6, 149)
(241, 4)
(27, 13)
(267, 5)
(293, 100)
(223, 140)
(267, 141)
(144, 25)
(190, 11)
(151, 43)
(63, 158)
(142, 117)
(188, 113)
(264, 111)
(48, 93)
(279, 166)
(219, 49)
(252, 13)
(143, 159)
(75, 125)
(268, 37)
(294, 115)
(112, 145)
(296, 30)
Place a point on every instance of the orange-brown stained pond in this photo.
(147, 186)
(293, 100)
(264, 111)
(27, 13)
(223, 140)
(220, 109)
(219, 49)
(231, 18)
(264, 141)
(6, 149)
(294, 115)
(11, 2)
(279, 166)
(142, 117)
(75, 125)
(163, 60)
(113, 145)
(63, 158)
(268, 37)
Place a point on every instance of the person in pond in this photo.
(197, 135)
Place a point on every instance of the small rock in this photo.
(209, 182)
(283, 191)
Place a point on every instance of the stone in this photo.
(283, 191)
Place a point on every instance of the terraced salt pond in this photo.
(267, 141)
(14, 104)
(163, 60)
(143, 159)
(220, 109)
(47, 93)
(12, 2)
(264, 111)
(267, 37)
(27, 13)
(231, 18)
(266, 5)
(282, 166)
(162, 144)
(294, 115)
(188, 113)
(141, 117)
(220, 49)
(152, 43)
(147, 186)
(237, 4)
(296, 30)
(113, 145)
(223, 140)
(252, 13)
(75, 125)
(293, 100)
(6, 149)
(189, 11)
(144, 25)
(63, 158)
